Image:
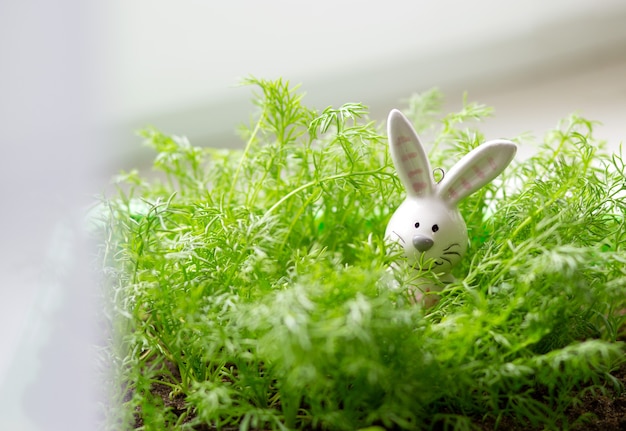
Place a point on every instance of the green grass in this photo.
(254, 284)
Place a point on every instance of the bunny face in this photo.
(428, 225)
(430, 233)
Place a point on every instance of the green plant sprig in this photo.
(254, 283)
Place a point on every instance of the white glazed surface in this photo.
(432, 219)
(428, 225)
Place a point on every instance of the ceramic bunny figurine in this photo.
(428, 225)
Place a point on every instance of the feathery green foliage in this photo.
(254, 284)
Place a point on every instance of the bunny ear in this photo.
(476, 169)
(408, 156)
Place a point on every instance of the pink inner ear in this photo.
(415, 176)
(401, 140)
(418, 187)
(415, 172)
(408, 156)
(475, 170)
(479, 173)
(472, 179)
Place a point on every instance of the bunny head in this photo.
(428, 225)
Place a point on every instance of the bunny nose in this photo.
(422, 243)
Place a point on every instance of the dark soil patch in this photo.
(603, 412)
(595, 412)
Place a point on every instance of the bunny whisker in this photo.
(401, 239)
(451, 245)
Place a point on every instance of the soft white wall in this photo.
(176, 65)
(535, 106)
(170, 55)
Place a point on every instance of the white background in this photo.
(178, 63)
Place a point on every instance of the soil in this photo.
(595, 412)
(605, 413)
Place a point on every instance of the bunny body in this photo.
(428, 225)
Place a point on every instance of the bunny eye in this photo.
(417, 224)
(435, 228)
